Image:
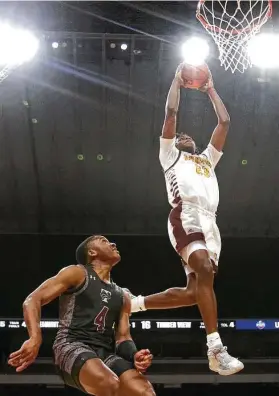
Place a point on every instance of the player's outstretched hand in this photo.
(209, 84)
(25, 356)
(143, 360)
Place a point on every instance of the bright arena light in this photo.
(195, 51)
(124, 46)
(263, 50)
(16, 46)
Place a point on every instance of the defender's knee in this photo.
(112, 383)
(107, 385)
(147, 390)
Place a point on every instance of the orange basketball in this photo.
(195, 76)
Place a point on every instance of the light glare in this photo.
(16, 46)
(263, 50)
(195, 51)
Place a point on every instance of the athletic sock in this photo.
(213, 340)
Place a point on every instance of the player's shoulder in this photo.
(74, 272)
(167, 143)
(74, 276)
(204, 154)
(211, 149)
(206, 157)
(118, 289)
(168, 152)
(212, 155)
(207, 151)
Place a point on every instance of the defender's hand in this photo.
(143, 360)
(26, 355)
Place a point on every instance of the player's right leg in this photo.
(200, 263)
(187, 237)
(80, 367)
(133, 383)
(219, 359)
(97, 379)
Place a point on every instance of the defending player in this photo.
(193, 194)
(92, 321)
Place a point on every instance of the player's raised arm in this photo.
(125, 346)
(123, 327)
(219, 134)
(172, 105)
(67, 278)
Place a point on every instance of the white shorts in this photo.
(191, 228)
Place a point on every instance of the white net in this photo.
(232, 24)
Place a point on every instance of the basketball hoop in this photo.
(232, 24)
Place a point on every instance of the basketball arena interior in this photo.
(79, 144)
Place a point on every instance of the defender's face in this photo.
(104, 250)
(185, 143)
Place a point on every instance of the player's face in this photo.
(186, 143)
(104, 250)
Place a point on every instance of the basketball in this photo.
(194, 76)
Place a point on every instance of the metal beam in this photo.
(108, 36)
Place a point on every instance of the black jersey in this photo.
(88, 314)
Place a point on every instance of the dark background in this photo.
(246, 285)
(86, 98)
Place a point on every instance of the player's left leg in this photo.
(204, 261)
(174, 297)
(133, 383)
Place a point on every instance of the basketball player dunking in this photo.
(193, 194)
(92, 322)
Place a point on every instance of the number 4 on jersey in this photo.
(100, 319)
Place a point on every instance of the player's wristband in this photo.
(127, 350)
(137, 304)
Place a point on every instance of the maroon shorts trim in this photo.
(181, 238)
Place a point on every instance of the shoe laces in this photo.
(224, 355)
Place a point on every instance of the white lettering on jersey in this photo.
(192, 178)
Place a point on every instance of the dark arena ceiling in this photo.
(80, 124)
